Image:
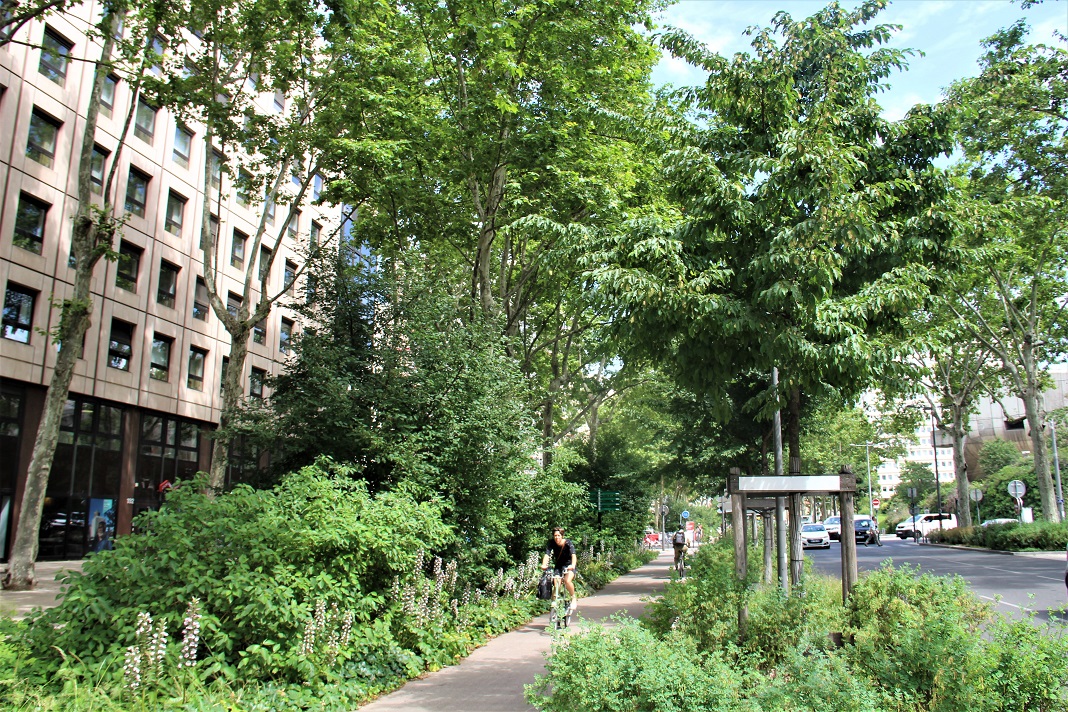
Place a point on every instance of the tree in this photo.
(807, 218)
(14, 14)
(93, 229)
(1014, 131)
(997, 455)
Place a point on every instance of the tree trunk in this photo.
(1032, 399)
(232, 394)
(89, 242)
(961, 467)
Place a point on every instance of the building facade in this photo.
(147, 391)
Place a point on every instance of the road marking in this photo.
(1006, 603)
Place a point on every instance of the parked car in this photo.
(866, 530)
(995, 522)
(814, 536)
(833, 526)
(924, 524)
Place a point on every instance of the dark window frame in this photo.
(192, 381)
(133, 206)
(285, 335)
(15, 324)
(146, 134)
(237, 249)
(56, 71)
(167, 297)
(201, 309)
(160, 370)
(182, 159)
(25, 239)
(170, 225)
(125, 278)
(44, 155)
(120, 344)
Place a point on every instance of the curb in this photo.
(1057, 555)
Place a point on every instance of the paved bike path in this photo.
(491, 679)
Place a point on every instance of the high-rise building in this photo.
(147, 391)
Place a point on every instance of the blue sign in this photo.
(686, 514)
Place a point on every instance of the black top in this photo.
(561, 555)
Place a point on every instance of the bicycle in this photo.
(680, 564)
(560, 606)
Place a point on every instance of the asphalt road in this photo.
(1018, 583)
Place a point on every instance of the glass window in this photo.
(18, 313)
(183, 146)
(313, 236)
(259, 332)
(279, 101)
(145, 121)
(129, 264)
(175, 213)
(97, 167)
(197, 359)
(120, 346)
(237, 250)
(317, 186)
(30, 223)
(216, 169)
(268, 210)
(213, 227)
(242, 187)
(41, 141)
(160, 366)
(107, 95)
(290, 277)
(233, 304)
(158, 48)
(255, 382)
(55, 53)
(136, 193)
(168, 451)
(222, 373)
(168, 284)
(265, 262)
(285, 335)
(200, 301)
(294, 224)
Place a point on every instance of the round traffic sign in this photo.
(686, 514)
(976, 495)
(875, 502)
(1017, 489)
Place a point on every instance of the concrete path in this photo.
(45, 595)
(491, 679)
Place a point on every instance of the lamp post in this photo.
(867, 464)
(1057, 468)
(938, 479)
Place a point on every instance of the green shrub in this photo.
(1034, 536)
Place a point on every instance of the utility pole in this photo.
(938, 480)
(1057, 468)
(780, 502)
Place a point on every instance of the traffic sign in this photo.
(875, 502)
(912, 492)
(1017, 489)
(686, 514)
(976, 495)
(606, 500)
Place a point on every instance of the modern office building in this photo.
(146, 392)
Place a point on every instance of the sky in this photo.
(948, 32)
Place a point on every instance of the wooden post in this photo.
(769, 547)
(797, 556)
(780, 544)
(848, 539)
(738, 505)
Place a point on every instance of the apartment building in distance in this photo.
(146, 392)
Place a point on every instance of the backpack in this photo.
(545, 587)
(680, 537)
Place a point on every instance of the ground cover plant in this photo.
(315, 594)
(908, 643)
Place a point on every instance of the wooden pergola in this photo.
(766, 493)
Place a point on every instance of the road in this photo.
(1023, 582)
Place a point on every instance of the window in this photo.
(289, 277)
(243, 180)
(265, 263)
(137, 193)
(213, 228)
(259, 332)
(237, 250)
(200, 301)
(255, 383)
(158, 46)
(97, 166)
(120, 347)
(294, 224)
(41, 141)
(55, 53)
(18, 313)
(285, 335)
(160, 366)
(216, 169)
(175, 213)
(310, 288)
(233, 304)
(183, 146)
(279, 101)
(168, 284)
(222, 373)
(317, 186)
(197, 358)
(107, 95)
(30, 223)
(145, 121)
(268, 210)
(313, 237)
(129, 265)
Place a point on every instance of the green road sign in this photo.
(606, 500)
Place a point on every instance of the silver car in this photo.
(815, 536)
(834, 527)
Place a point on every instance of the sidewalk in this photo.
(18, 603)
(491, 679)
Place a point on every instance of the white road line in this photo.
(1006, 603)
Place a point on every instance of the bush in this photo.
(1036, 536)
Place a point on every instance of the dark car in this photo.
(864, 529)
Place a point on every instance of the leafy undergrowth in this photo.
(911, 643)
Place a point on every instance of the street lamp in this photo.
(867, 463)
(1057, 468)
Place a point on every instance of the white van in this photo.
(925, 524)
